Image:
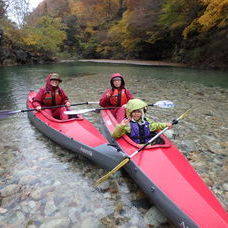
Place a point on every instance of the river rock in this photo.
(56, 222)
(215, 147)
(73, 214)
(50, 207)
(89, 222)
(17, 218)
(40, 193)
(170, 134)
(10, 190)
(187, 145)
(25, 180)
(153, 217)
(99, 211)
(3, 210)
(225, 186)
(64, 192)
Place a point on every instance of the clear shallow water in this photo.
(17, 80)
(33, 163)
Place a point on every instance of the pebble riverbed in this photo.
(43, 185)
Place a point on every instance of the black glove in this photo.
(174, 122)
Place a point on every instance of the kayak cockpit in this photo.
(51, 118)
(111, 123)
(162, 141)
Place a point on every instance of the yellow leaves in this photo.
(177, 14)
(93, 13)
(11, 31)
(31, 40)
(130, 44)
(123, 34)
(104, 50)
(90, 30)
(77, 8)
(154, 36)
(194, 26)
(216, 13)
(118, 33)
(47, 34)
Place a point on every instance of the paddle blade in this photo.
(164, 104)
(81, 111)
(106, 176)
(184, 114)
(93, 102)
(7, 113)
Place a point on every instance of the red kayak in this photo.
(77, 135)
(166, 176)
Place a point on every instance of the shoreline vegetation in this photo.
(162, 63)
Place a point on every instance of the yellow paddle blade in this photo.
(115, 169)
(184, 114)
(126, 160)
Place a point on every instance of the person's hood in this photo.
(48, 82)
(117, 75)
(133, 105)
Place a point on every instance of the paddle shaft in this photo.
(57, 106)
(175, 121)
(82, 111)
(150, 141)
(126, 160)
(7, 113)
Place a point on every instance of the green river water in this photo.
(42, 184)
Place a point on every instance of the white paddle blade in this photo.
(164, 104)
(81, 111)
(93, 102)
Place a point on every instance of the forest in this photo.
(192, 32)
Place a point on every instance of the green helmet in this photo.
(134, 104)
(55, 76)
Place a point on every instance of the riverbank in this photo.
(153, 63)
(136, 62)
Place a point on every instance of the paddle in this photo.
(81, 111)
(161, 104)
(7, 113)
(126, 160)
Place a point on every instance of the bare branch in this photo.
(18, 10)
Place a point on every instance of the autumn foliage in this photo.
(181, 30)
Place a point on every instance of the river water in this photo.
(44, 185)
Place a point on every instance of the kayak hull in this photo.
(168, 179)
(77, 135)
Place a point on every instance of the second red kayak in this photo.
(169, 180)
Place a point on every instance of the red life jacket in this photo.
(119, 97)
(52, 98)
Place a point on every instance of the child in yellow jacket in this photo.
(136, 126)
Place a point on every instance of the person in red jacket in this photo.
(51, 95)
(117, 96)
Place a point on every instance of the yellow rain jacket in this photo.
(132, 105)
